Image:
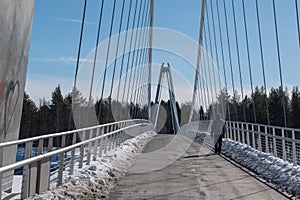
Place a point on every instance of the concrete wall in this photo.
(16, 17)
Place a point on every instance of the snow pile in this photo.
(95, 181)
(270, 168)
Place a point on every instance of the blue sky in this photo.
(57, 24)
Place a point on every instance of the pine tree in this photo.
(295, 108)
(276, 108)
(29, 123)
(57, 103)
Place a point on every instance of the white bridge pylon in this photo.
(166, 70)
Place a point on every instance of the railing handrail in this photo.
(268, 134)
(52, 135)
(59, 151)
(265, 125)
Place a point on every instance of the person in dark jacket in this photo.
(218, 132)
(201, 113)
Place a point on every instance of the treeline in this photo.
(48, 117)
(261, 107)
(56, 115)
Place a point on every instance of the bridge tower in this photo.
(166, 70)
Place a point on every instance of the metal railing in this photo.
(48, 158)
(281, 142)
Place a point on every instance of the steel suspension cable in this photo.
(95, 56)
(298, 23)
(238, 59)
(78, 58)
(139, 60)
(135, 79)
(144, 92)
(142, 95)
(200, 41)
(249, 62)
(107, 56)
(124, 48)
(129, 54)
(279, 63)
(117, 48)
(134, 54)
(205, 79)
(138, 86)
(262, 61)
(217, 54)
(230, 61)
(212, 64)
(208, 74)
(203, 72)
(223, 59)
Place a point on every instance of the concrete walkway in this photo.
(195, 175)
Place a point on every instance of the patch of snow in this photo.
(95, 181)
(270, 168)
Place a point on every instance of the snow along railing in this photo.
(282, 142)
(65, 152)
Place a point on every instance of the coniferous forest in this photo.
(55, 115)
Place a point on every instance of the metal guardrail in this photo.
(281, 142)
(62, 153)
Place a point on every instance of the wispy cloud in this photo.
(62, 59)
(71, 20)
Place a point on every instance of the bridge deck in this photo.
(195, 175)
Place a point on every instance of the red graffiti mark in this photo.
(2, 88)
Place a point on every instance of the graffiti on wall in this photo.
(9, 97)
(2, 88)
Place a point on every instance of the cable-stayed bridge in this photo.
(117, 100)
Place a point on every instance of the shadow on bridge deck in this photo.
(198, 174)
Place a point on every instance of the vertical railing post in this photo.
(109, 139)
(294, 149)
(267, 139)
(247, 135)
(96, 145)
(231, 130)
(26, 172)
(101, 141)
(49, 149)
(226, 125)
(283, 144)
(43, 174)
(118, 138)
(40, 147)
(61, 161)
(274, 143)
(105, 139)
(72, 161)
(253, 136)
(50, 144)
(89, 147)
(82, 150)
(238, 132)
(259, 139)
(243, 133)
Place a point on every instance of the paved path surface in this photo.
(195, 175)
